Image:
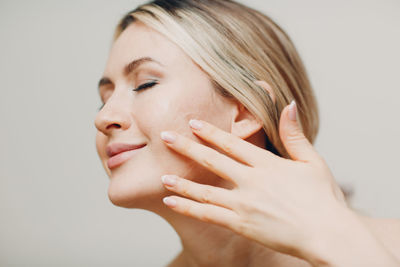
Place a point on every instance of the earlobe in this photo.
(244, 124)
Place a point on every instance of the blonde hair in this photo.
(236, 46)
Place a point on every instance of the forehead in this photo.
(139, 40)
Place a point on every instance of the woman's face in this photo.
(182, 92)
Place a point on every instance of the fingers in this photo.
(292, 136)
(199, 192)
(211, 159)
(201, 211)
(233, 145)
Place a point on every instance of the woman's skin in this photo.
(307, 219)
(183, 92)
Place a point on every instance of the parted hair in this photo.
(236, 46)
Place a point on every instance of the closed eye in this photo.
(145, 85)
(140, 87)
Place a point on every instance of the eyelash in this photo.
(140, 87)
(145, 85)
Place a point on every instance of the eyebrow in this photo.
(129, 68)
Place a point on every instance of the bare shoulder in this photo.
(387, 230)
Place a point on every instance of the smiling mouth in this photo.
(119, 158)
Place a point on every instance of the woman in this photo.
(248, 188)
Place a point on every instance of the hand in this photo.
(280, 203)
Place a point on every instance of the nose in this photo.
(115, 114)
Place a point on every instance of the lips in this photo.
(119, 153)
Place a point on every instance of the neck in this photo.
(210, 245)
(204, 245)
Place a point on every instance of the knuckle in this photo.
(227, 145)
(206, 195)
(251, 206)
(210, 159)
(206, 217)
(185, 190)
(243, 205)
(187, 146)
(242, 227)
(211, 130)
(187, 210)
(295, 136)
(182, 187)
(208, 162)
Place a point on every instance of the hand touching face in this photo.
(284, 204)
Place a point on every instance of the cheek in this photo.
(101, 142)
(170, 113)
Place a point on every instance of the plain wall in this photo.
(53, 191)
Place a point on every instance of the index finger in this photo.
(220, 164)
(233, 145)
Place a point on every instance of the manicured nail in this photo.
(169, 201)
(168, 180)
(168, 137)
(195, 124)
(292, 110)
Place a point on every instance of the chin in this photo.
(136, 194)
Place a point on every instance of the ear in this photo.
(244, 124)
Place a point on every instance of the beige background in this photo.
(53, 191)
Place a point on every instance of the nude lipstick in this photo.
(119, 153)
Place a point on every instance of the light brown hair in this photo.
(236, 46)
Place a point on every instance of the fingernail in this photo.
(195, 124)
(169, 201)
(168, 180)
(168, 137)
(292, 110)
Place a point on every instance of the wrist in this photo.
(345, 240)
(330, 236)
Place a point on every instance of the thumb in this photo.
(292, 136)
